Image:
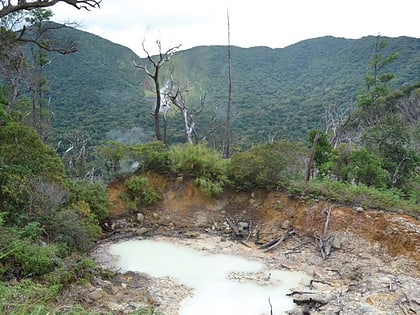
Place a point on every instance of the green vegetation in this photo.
(288, 88)
(53, 198)
(141, 190)
(268, 166)
(201, 163)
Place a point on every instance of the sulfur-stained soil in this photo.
(372, 267)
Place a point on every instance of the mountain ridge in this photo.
(282, 91)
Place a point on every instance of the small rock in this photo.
(243, 225)
(285, 224)
(102, 283)
(141, 231)
(97, 294)
(140, 217)
(192, 234)
(358, 209)
(336, 243)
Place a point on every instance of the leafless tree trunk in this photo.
(227, 149)
(177, 98)
(312, 156)
(336, 122)
(157, 62)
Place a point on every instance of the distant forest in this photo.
(276, 93)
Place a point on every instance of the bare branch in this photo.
(157, 62)
(46, 45)
(7, 7)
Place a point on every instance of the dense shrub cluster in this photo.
(44, 216)
(141, 191)
(268, 166)
(202, 164)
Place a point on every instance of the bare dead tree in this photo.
(226, 153)
(177, 97)
(409, 107)
(336, 120)
(8, 7)
(157, 62)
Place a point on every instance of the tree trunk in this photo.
(227, 152)
(311, 158)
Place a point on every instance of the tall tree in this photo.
(376, 82)
(157, 62)
(38, 81)
(227, 149)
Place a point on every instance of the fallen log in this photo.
(275, 242)
(313, 300)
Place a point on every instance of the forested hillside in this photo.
(277, 93)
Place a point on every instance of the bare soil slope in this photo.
(371, 267)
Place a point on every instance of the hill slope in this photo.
(279, 93)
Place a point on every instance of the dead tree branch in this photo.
(157, 62)
(325, 243)
(276, 242)
(7, 7)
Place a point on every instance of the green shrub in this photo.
(356, 165)
(141, 190)
(69, 227)
(151, 156)
(21, 256)
(267, 166)
(31, 176)
(209, 187)
(200, 163)
(92, 194)
(26, 297)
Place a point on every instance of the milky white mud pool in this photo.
(222, 284)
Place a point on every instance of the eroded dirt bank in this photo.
(373, 266)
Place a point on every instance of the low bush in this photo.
(357, 195)
(267, 166)
(151, 157)
(200, 163)
(92, 194)
(141, 190)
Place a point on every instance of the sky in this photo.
(272, 23)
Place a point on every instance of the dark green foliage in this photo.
(21, 255)
(74, 229)
(112, 153)
(267, 166)
(32, 175)
(91, 194)
(323, 147)
(97, 89)
(391, 141)
(151, 156)
(283, 96)
(141, 190)
(201, 163)
(359, 166)
(24, 153)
